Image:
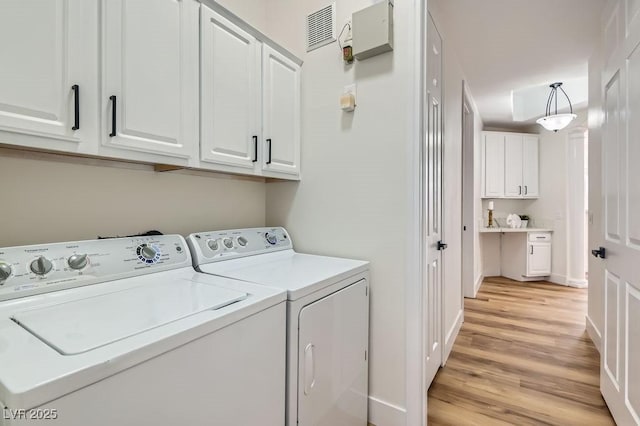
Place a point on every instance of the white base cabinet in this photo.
(145, 102)
(526, 256)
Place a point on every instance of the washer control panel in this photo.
(27, 270)
(222, 245)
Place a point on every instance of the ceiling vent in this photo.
(321, 27)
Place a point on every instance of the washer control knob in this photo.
(148, 252)
(41, 266)
(228, 242)
(78, 261)
(5, 272)
(242, 241)
(271, 238)
(213, 244)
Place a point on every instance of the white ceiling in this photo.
(512, 45)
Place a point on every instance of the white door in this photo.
(48, 75)
(432, 293)
(150, 76)
(513, 166)
(493, 165)
(530, 172)
(620, 203)
(333, 359)
(281, 113)
(538, 259)
(230, 79)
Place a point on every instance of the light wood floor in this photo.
(522, 358)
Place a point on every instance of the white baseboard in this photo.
(558, 279)
(450, 338)
(594, 333)
(382, 413)
(477, 285)
(577, 283)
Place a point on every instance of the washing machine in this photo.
(125, 332)
(327, 318)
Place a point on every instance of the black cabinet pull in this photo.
(531, 249)
(113, 115)
(269, 156)
(76, 106)
(255, 149)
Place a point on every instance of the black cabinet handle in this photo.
(441, 245)
(519, 190)
(113, 115)
(531, 249)
(76, 106)
(600, 252)
(526, 190)
(255, 149)
(269, 155)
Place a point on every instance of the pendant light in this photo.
(556, 121)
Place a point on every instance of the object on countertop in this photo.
(513, 221)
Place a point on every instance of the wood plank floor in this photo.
(522, 358)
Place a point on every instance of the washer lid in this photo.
(82, 325)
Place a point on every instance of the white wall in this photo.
(52, 198)
(352, 200)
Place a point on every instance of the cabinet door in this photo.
(538, 259)
(230, 120)
(530, 174)
(48, 47)
(493, 161)
(150, 76)
(281, 113)
(513, 166)
(332, 359)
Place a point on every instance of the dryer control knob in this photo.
(213, 244)
(5, 272)
(78, 261)
(271, 238)
(228, 242)
(148, 252)
(41, 266)
(242, 241)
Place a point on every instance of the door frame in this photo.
(468, 224)
(415, 412)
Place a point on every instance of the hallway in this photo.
(523, 357)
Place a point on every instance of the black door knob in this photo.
(600, 252)
(441, 245)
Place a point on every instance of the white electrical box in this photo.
(373, 30)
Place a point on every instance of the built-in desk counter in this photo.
(525, 253)
(515, 230)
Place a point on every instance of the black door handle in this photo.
(76, 106)
(441, 245)
(269, 155)
(600, 252)
(113, 115)
(255, 149)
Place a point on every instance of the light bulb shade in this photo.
(556, 122)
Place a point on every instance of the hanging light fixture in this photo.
(556, 121)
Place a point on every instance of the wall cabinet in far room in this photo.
(510, 165)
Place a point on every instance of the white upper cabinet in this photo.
(48, 73)
(150, 78)
(513, 166)
(281, 114)
(230, 115)
(510, 165)
(530, 166)
(493, 165)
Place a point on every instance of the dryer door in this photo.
(333, 360)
